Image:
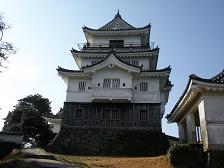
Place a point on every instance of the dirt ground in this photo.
(117, 162)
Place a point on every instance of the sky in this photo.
(189, 33)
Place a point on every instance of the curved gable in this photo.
(110, 61)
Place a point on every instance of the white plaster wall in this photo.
(123, 75)
(73, 93)
(214, 108)
(214, 114)
(153, 95)
(150, 96)
(134, 39)
(203, 124)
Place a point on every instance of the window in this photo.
(106, 83)
(115, 83)
(115, 114)
(82, 86)
(143, 86)
(143, 115)
(116, 43)
(134, 62)
(111, 83)
(106, 114)
(111, 114)
(78, 113)
(93, 62)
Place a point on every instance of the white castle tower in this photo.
(118, 85)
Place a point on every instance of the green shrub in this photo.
(185, 155)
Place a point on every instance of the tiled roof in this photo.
(117, 19)
(219, 78)
(111, 52)
(67, 70)
(167, 69)
(118, 51)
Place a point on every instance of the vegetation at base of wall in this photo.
(186, 155)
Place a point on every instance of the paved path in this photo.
(37, 158)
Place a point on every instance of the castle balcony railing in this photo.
(111, 94)
(83, 46)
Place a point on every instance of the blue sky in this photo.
(190, 35)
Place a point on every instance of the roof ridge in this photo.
(117, 16)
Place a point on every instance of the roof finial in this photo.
(118, 14)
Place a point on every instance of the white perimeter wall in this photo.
(213, 109)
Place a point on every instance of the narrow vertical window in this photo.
(143, 86)
(82, 86)
(93, 62)
(115, 83)
(106, 83)
(78, 113)
(134, 62)
(115, 114)
(105, 114)
(143, 115)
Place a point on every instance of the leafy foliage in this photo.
(28, 118)
(185, 155)
(6, 48)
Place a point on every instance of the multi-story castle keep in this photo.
(117, 87)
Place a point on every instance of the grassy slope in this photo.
(117, 162)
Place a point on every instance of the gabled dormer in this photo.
(117, 34)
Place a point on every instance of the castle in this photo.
(117, 89)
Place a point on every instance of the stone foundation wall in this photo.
(77, 141)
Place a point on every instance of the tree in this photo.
(6, 48)
(27, 117)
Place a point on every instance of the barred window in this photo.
(143, 86)
(111, 83)
(106, 83)
(143, 115)
(115, 114)
(82, 86)
(94, 61)
(134, 62)
(115, 83)
(78, 113)
(106, 114)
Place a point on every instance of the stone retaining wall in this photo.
(81, 141)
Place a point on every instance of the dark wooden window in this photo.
(143, 115)
(143, 86)
(115, 114)
(106, 83)
(106, 114)
(78, 113)
(116, 43)
(135, 62)
(82, 86)
(111, 83)
(115, 83)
